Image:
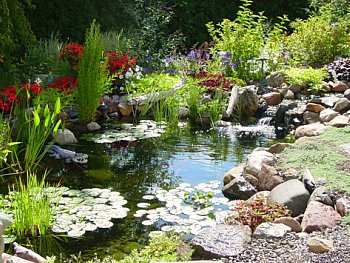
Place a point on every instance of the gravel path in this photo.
(293, 249)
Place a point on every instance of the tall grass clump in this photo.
(320, 38)
(93, 78)
(246, 38)
(31, 207)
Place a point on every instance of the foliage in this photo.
(31, 207)
(246, 38)
(254, 212)
(93, 79)
(114, 40)
(39, 126)
(306, 77)
(198, 199)
(320, 38)
(161, 248)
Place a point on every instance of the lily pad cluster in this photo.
(127, 132)
(178, 215)
(87, 210)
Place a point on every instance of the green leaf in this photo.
(13, 143)
(36, 119)
(57, 126)
(57, 106)
(47, 120)
(46, 111)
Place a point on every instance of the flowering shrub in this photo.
(7, 98)
(253, 213)
(65, 84)
(72, 53)
(119, 63)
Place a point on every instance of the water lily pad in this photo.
(101, 223)
(76, 233)
(148, 197)
(148, 222)
(143, 205)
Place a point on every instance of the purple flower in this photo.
(207, 55)
(233, 65)
(228, 54)
(192, 54)
(286, 55)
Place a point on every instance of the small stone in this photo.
(319, 245)
(65, 137)
(271, 230)
(93, 126)
(343, 206)
(314, 107)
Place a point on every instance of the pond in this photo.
(181, 155)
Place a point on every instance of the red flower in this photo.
(35, 88)
(7, 98)
(65, 84)
(72, 53)
(119, 63)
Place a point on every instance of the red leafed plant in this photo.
(65, 84)
(72, 53)
(213, 81)
(119, 63)
(254, 212)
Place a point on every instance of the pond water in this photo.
(185, 154)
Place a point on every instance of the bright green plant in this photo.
(254, 212)
(198, 199)
(31, 207)
(246, 38)
(35, 129)
(193, 100)
(306, 77)
(161, 248)
(320, 38)
(115, 41)
(93, 79)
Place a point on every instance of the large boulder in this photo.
(238, 188)
(311, 117)
(233, 173)
(65, 137)
(249, 100)
(289, 221)
(272, 98)
(292, 194)
(314, 107)
(342, 105)
(309, 130)
(318, 217)
(329, 101)
(268, 178)
(222, 241)
(322, 195)
(255, 161)
(339, 121)
(339, 86)
(327, 115)
(276, 79)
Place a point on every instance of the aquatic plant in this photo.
(254, 212)
(31, 207)
(198, 199)
(93, 79)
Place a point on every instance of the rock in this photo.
(65, 137)
(318, 217)
(290, 174)
(327, 115)
(93, 126)
(339, 121)
(319, 245)
(238, 188)
(271, 230)
(278, 147)
(261, 194)
(314, 107)
(311, 117)
(308, 180)
(183, 112)
(233, 173)
(125, 109)
(343, 205)
(113, 115)
(222, 241)
(268, 178)
(347, 94)
(339, 86)
(322, 195)
(276, 79)
(329, 101)
(342, 105)
(309, 130)
(289, 221)
(272, 98)
(5, 222)
(252, 180)
(295, 88)
(255, 161)
(250, 101)
(292, 194)
(289, 95)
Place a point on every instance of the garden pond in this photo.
(169, 181)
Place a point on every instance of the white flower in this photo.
(121, 76)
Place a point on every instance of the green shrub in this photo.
(320, 38)
(93, 78)
(246, 38)
(306, 77)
